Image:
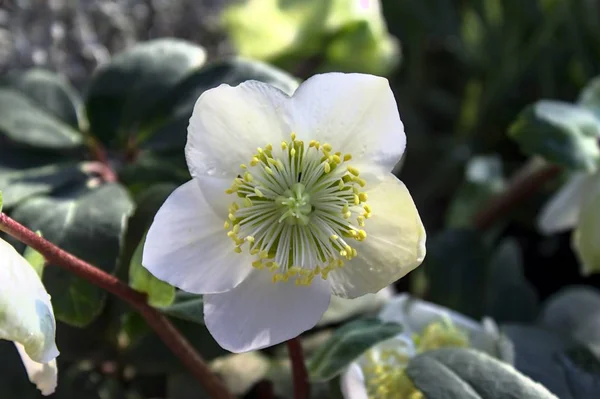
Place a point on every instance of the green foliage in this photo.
(465, 373)
(346, 344)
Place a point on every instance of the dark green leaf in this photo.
(347, 344)
(159, 292)
(19, 185)
(468, 374)
(167, 129)
(506, 275)
(89, 223)
(50, 91)
(187, 307)
(566, 368)
(456, 271)
(575, 312)
(562, 133)
(150, 169)
(24, 124)
(123, 91)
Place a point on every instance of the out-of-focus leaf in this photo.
(23, 123)
(483, 180)
(346, 344)
(470, 374)
(566, 368)
(456, 270)
(159, 292)
(186, 307)
(509, 296)
(89, 223)
(575, 312)
(590, 96)
(123, 91)
(341, 309)
(150, 169)
(241, 371)
(50, 91)
(167, 128)
(586, 237)
(19, 185)
(562, 133)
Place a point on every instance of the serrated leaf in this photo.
(25, 124)
(186, 306)
(347, 344)
(19, 185)
(564, 366)
(456, 271)
(89, 223)
(123, 91)
(50, 91)
(140, 279)
(562, 133)
(167, 129)
(469, 374)
(506, 274)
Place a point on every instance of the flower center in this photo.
(385, 376)
(298, 209)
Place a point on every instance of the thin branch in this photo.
(523, 185)
(299, 372)
(161, 325)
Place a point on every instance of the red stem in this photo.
(161, 325)
(299, 372)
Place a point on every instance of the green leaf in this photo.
(35, 259)
(87, 222)
(167, 129)
(341, 309)
(469, 374)
(1, 201)
(575, 312)
(23, 123)
(20, 185)
(150, 169)
(506, 274)
(186, 307)
(49, 91)
(123, 91)
(346, 344)
(140, 279)
(564, 366)
(562, 133)
(483, 180)
(456, 271)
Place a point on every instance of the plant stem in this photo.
(161, 325)
(299, 372)
(523, 185)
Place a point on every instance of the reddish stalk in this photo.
(299, 372)
(159, 323)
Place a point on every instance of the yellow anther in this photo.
(231, 217)
(284, 145)
(362, 234)
(356, 200)
(269, 147)
(258, 192)
(367, 208)
(341, 185)
(347, 215)
(258, 264)
(250, 239)
(347, 157)
(292, 271)
(337, 160)
(362, 182)
(353, 170)
(259, 150)
(263, 255)
(326, 167)
(343, 253)
(345, 208)
(361, 221)
(269, 170)
(293, 136)
(237, 250)
(229, 191)
(243, 166)
(254, 251)
(327, 147)
(254, 161)
(248, 177)
(354, 253)
(247, 202)
(334, 237)
(293, 152)
(312, 143)
(226, 225)
(363, 197)
(236, 229)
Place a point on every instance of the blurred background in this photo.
(461, 70)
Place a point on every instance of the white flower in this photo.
(379, 372)
(26, 317)
(577, 206)
(292, 200)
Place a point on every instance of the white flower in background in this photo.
(27, 319)
(292, 200)
(379, 372)
(577, 206)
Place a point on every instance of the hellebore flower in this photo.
(379, 372)
(577, 206)
(292, 200)
(27, 318)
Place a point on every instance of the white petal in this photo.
(259, 313)
(229, 123)
(25, 309)
(561, 212)
(355, 113)
(43, 375)
(188, 247)
(353, 383)
(395, 243)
